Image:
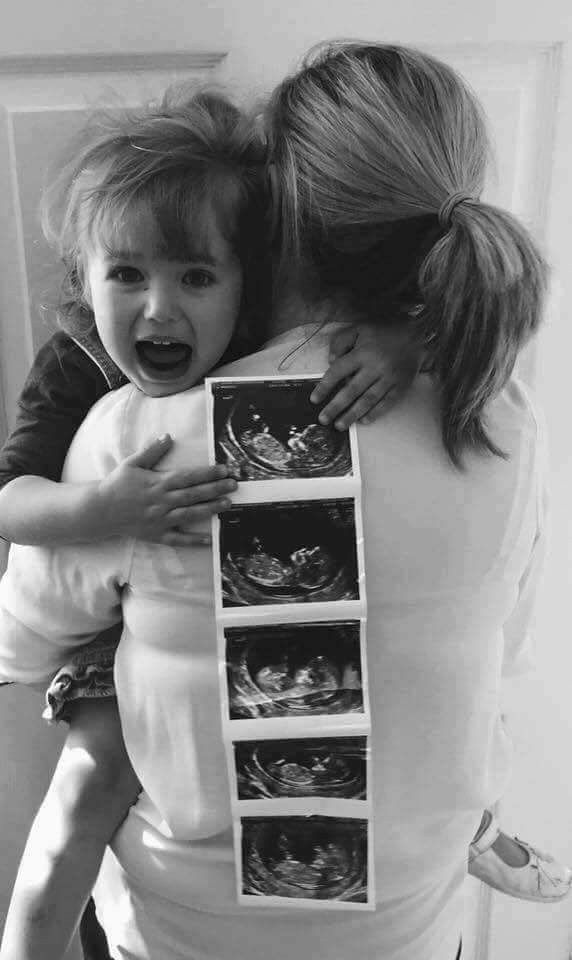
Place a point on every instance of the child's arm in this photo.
(90, 794)
(133, 500)
(370, 368)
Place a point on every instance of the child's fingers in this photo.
(362, 408)
(334, 375)
(362, 385)
(181, 538)
(184, 516)
(202, 493)
(149, 456)
(388, 401)
(341, 342)
(356, 399)
(382, 407)
(194, 477)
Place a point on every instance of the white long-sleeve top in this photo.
(451, 556)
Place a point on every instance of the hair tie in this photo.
(452, 201)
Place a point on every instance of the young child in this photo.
(158, 218)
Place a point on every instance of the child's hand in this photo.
(136, 500)
(370, 369)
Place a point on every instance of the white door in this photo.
(517, 59)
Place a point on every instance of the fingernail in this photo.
(164, 438)
(313, 398)
(203, 541)
(223, 504)
(323, 418)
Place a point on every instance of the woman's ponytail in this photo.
(378, 152)
(482, 286)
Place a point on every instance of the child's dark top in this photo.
(69, 375)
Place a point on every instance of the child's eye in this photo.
(198, 278)
(126, 274)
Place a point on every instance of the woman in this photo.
(378, 157)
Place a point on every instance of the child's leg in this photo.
(92, 937)
(91, 791)
(514, 867)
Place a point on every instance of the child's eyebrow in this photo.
(122, 255)
(193, 256)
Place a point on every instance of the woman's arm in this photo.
(519, 646)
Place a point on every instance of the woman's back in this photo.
(446, 550)
(445, 553)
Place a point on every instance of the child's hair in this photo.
(377, 159)
(193, 157)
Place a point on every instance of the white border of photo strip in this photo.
(288, 616)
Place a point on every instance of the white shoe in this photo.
(542, 878)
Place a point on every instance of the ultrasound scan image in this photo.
(269, 430)
(301, 669)
(316, 858)
(309, 767)
(302, 552)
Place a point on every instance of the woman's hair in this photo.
(192, 158)
(377, 158)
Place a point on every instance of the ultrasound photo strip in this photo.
(267, 431)
(291, 556)
(288, 679)
(290, 608)
(309, 862)
(319, 768)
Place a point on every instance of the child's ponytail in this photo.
(482, 285)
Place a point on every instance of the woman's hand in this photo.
(370, 369)
(137, 500)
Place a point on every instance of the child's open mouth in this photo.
(164, 358)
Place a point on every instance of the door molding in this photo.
(57, 63)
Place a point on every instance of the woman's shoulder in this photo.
(125, 420)
(516, 412)
(102, 440)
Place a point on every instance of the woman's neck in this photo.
(291, 310)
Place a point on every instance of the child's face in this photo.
(165, 323)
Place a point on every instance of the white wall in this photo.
(265, 36)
